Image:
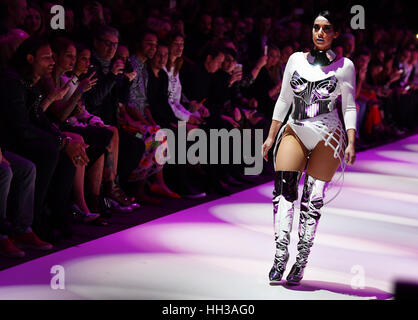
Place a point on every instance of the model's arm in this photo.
(281, 108)
(348, 93)
(286, 94)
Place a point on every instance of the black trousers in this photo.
(131, 150)
(17, 187)
(54, 180)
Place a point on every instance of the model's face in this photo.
(66, 59)
(42, 62)
(323, 33)
(83, 62)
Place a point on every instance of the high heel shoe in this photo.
(81, 216)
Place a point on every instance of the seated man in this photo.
(103, 101)
(27, 131)
(17, 189)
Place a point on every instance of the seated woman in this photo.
(98, 138)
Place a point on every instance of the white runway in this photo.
(367, 239)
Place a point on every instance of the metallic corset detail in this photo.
(312, 98)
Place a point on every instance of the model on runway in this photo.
(312, 139)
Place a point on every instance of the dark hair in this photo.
(30, 46)
(375, 63)
(61, 44)
(171, 37)
(140, 36)
(143, 33)
(364, 51)
(102, 30)
(81, 47)
(213, 51)
(333, 18)
(162, 43)
(231, 52)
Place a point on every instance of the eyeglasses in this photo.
(110, 43)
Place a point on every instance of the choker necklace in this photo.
(321, 57)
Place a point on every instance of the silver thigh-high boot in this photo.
(284, 196)
(310, 212)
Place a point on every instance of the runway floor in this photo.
(366, 241)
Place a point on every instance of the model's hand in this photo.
(266, 147)
(350, 154)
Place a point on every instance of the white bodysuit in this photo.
(312, 91)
